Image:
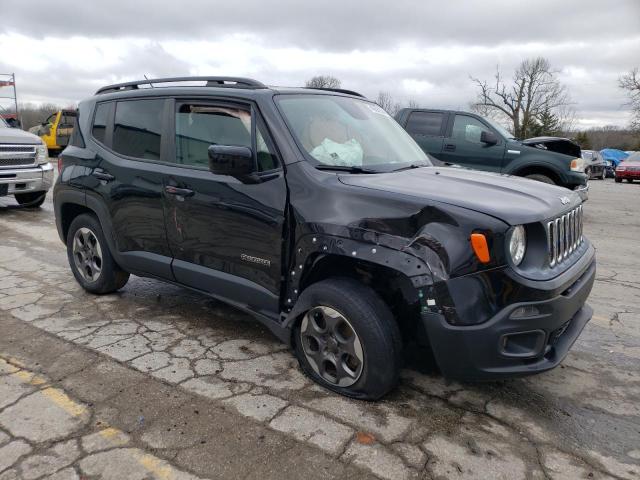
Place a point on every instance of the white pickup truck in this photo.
(25, 171)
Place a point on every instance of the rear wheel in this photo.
(603, 175)
(618, 180)
(541, 178)
(348, 341)
(31, 199)
(588, 172)
(90, 259)
(630, 180)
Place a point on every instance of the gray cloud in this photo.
(590, 42)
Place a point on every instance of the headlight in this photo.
(620, 168)
(516, 244)
(577, 165)
(42, 155)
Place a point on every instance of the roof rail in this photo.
(237, 82)
(339, 90)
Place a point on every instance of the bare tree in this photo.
(388, 104)
(323, 81)
(631, 83)
(533, 90)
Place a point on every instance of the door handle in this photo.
(449, 147)
(180, 192)
(107, 177)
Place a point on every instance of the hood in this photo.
(15, 135)
(555, 144)
(514, 200)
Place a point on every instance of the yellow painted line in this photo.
(159, 468)
(29, 377)
(8, 366)
(63, 401)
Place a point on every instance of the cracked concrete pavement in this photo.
(159, 382)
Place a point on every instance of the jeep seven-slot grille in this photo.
(564, 235)
(17, 155)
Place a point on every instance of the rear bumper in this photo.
(633, 174)
(23, 180)
(523, 338)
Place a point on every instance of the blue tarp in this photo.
(613, 155)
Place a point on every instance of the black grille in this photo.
(17, 148)
(16, 162)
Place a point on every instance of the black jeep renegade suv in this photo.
(317, 213)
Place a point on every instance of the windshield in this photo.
(349, 133)
(501, 130)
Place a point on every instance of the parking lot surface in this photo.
(159, 382)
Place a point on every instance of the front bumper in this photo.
(23, 180)
(624, 174)
(511, 343)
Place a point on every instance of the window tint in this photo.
(425, 123)
(266, 158)
(137, 127)
(467, 128)
(198, 126)
(100, 122)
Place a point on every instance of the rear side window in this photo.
(99, 128)
(137, 128)
(425, 123)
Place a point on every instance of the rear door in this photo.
(65, 127)
(225, 233)
(129, 181)
(463, 146)
(428, 129)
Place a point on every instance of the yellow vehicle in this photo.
(56, 130)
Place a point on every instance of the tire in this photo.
(603, 175)
(588, 172)
(31, 199)
(90, 259)
(618, 180)
(352, 314)
(540, 178)
(630, 180)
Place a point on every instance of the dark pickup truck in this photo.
(471, 141)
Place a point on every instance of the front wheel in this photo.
(541, 178)
(630, 180)
(618, 180)
(31, 199)
(90, 259)
(603, 175)
(348, 341)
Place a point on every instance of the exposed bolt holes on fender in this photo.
(90, 259)
(348, 341)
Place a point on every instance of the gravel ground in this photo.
(159, 382)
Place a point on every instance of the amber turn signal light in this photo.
(480, 247)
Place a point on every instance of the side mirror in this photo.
(230, 160)
(489, 138)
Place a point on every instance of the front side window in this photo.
(137, 128)
(348, 132)
(200, 126)
(428, 124)
(99, 128)
(467, 128)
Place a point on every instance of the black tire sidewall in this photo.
(539, 177)
(376, 328)
(111, 277)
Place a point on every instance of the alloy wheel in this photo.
(332, 346)
(87, 254)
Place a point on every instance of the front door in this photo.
(463, 146)
(427, 129)
(225, 233)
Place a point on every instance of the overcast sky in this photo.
(421, 50)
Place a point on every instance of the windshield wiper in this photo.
(346, 168)
(413, 165)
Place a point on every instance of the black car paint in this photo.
(410, 227)
(508, 155)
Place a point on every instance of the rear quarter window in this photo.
(99, 127)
